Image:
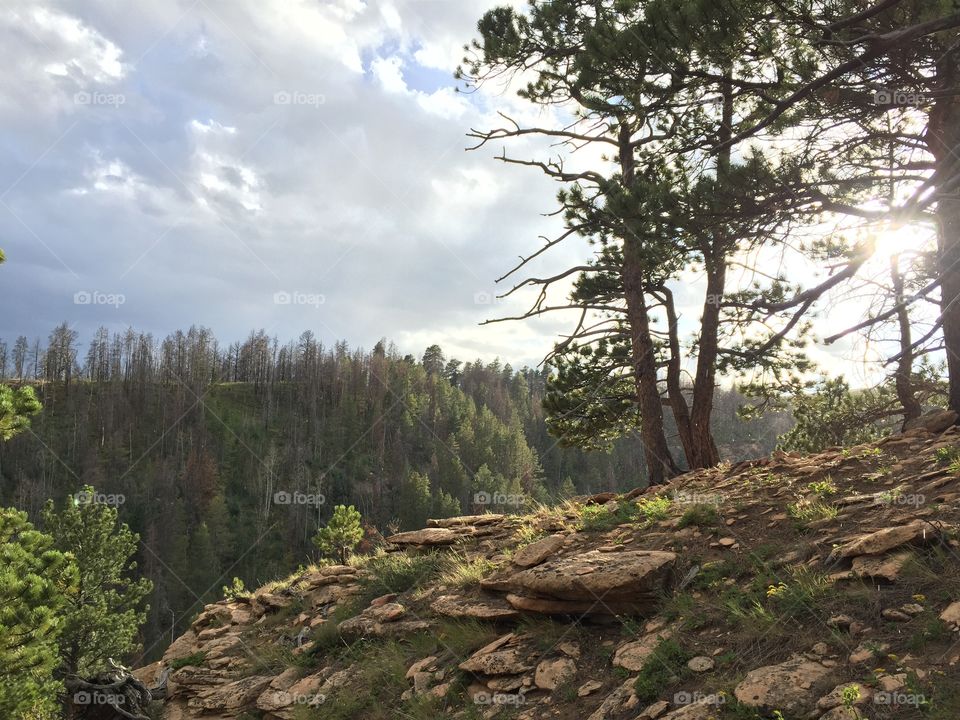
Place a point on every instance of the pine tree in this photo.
(33, 578)
(341, 535)
(104, 609)
(16, 407)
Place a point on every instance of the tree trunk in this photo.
(705, 452)
(660, 464)
(678, 403)
(904, 373)
(943, 140)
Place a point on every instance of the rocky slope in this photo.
(822, 586)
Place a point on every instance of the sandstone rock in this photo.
(426, 663)
(503, 656)
(385, 613)
(654, 711)
(613, 581)
(894, 615)
(952, 614)
(362, 626)
(426, 537)
(183, 646)
(480, 608)
(835, 698)
(462, 520)
(785, 687)
(883, 567)
(881, 541)
(589, 687)
(552, 673)
(614, 703)
(536, 552)
(841, 713)
(232, 696)
(700, 664)
(864, 653)
(633, 655)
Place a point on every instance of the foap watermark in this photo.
(685, 697)
(298, 298)
(498, 698)
(298, 498)
(683, 497)
(882, 697)
(286, 699)
(114, 100)
(98, 697)
(498, 498)
(486, 298)
(95, 297)
(295, 97)
(896, 497)
(92, 497)
(898, 98)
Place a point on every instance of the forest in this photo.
(202, 442)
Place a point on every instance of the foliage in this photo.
(235, 590)
(33, 579)
(16, 407)
(341, 534)
(104, 609)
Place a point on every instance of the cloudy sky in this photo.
(276, 164)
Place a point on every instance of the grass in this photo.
(666, 666)
(463, 573)
(804, 512)
(642, 513)
(399, 572)
(196, 658)
(699, 516)
(823, 488)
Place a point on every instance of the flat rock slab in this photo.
(788, 687)
(456, 606)
(633, 577)
(879, 542)
(427, 536)
(536, 552)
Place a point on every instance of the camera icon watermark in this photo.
(95, 297)
(498, 698)
(499, 498)
(896, 98)
(85, 497)
(486, 298)
(114, 100)
(98, 697)
(295, 97)
(899, 698)
(685, 697)
(298, 298)
(289, 698)
(298, 498)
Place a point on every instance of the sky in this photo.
(275, 164)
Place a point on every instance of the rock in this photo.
(821, 649)
(894, 615)
(703, 709)
(785, 687)
(383, 600)
(727, 542)
(589, 687)
(912, 609)
(934, 421)
(609, 583)
(363, 626)
(835, 698)
(952, 614)
(501, 657)
(633, 655)
(880, 567)
(614, 703)
(881, 541)
(892, 683)
(425, 664)
(841, 622)
(479, 520)
(385, 613)
(426, 537)
(700, 664)
(864, 653)
(232, 696)
(455, 606)
(552, 673)
(841, 713)
(536, 552)
(654, 711)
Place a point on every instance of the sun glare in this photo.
(895, 239)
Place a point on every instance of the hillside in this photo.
(821, 586)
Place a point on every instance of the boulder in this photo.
(633, 655)
(879, 542)
(787, 687)
(608, 583)
(951, 614)
(613, 705)
(504, 656)
(880, 567)
(536, 552)
(552, 673)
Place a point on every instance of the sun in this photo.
(897, 238)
